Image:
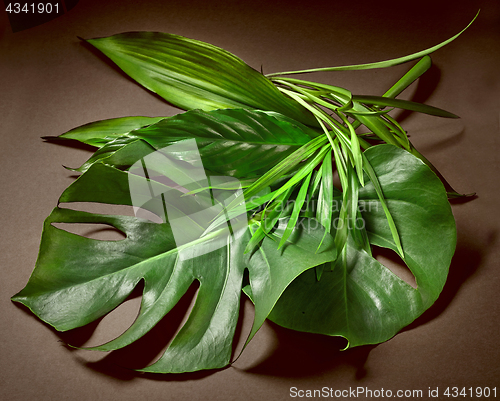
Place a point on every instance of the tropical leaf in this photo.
(403, 104)
(101, 132)
(380, 64)
(360, 299)
(195, 75)
(235, 142)
(77, 279)
(411, 76)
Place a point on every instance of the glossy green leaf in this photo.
(100, 133)
(411, 76)
(77, 279)
(235, 142)
(360, 299)
(379, 64)
(297, 207)
(325, 205)
(195, 75)
(403, 104)
(239, 143)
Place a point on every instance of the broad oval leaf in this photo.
(239, 143)
(195, 75)
(236, 142)
(360, 299)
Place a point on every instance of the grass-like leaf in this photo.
(403, 104)
(380, 64)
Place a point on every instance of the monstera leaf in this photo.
(78, 279)
(357, 297)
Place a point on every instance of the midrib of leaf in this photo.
(219, 138)
(235, 96)
(198, 84)
(143, 261)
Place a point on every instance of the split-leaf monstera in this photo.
(304, 254)
(359, 298)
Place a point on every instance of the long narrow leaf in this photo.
(297, 207)
(394, 231)
(403, 104)
(380, 64)
(325, 196)
(411, 76)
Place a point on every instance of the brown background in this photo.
(50, 83)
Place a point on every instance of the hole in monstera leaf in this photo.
(395, 264)
(245, 320)
(119, 319)
(113, 210)
(150, 347)
(154, 343)
(147, 215)
(99, 208)
(102, 232)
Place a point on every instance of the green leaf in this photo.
(77, 280)
(403, 104)
(310, 274)
(372, 175)
(325, 207)
(297, 207)
(195, 75)
(379, 64)
(239, 143)
(360, 299)
(121, 152)
(100, 133)
(411, 76)
(280, 207)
